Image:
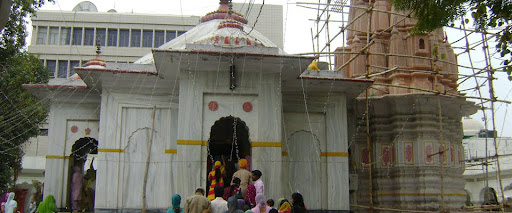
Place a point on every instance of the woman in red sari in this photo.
(215, 178)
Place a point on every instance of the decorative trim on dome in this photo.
(96, 62)
(230, 23)
(227, 41)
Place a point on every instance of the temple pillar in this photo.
(266, 146)
(337, 155)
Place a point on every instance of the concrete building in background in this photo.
(482, 183)
(66, 39)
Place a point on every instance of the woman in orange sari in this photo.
(215, 178)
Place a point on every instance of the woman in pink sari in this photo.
(261, 204)
(76, 188)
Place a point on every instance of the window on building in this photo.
(77, 36)
(51, 65)
(147, 38)
(42, 33)
(181, 32)
(170, 35)
(65, 35)
(135, 40)
(43, 132)
(112, 38)
(89, 36)
(124, 38)
(73, 64)
(53, 39)
(62, 71)
(422, 44)
(159, 38)
(101, 34)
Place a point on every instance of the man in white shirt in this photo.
(219, 205)
(258, 183)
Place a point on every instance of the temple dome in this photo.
(218, 29)
(471, 126)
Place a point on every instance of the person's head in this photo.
(273, 211)
(232, 204)
(10, 196)
(217, 170)
(50, 199)
(284, 205)
(256, 174)
(176, 201)
(200, 190)
(270, 202)
(236, 182)
(297, 200)
(242, 163)
(219, 191)
(260, 200)
(48, 205)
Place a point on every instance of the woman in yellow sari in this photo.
(215, 178)
(283, 206)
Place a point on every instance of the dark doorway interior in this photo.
(79, 151)
(222, 146)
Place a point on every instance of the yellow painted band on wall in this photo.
(266, 144)
(191, 142)
(416, 194)
(57, 157)
(205, 143)
(334, 154)
(171, 151)
(111, 150)
(284, 153)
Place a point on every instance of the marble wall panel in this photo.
(56, 178)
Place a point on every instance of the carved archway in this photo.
(79, 152)
(229, 141)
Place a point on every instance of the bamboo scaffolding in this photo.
(491, 92)
(427, 71)
(370, 35)
(367, 105)
(398, 55)
(441, 93)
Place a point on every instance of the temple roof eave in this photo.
(63, 93)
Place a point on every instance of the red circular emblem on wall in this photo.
(247, 106)
(213, 105)
(74, 129)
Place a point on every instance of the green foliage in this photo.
(487, 14)
(20, 112)
(13, 36)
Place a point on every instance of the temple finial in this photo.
(98, 47)
(230, 11)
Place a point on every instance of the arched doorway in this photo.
(77, 179)
(228, 142)
(489, 196)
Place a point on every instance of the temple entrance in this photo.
(82, 185)
(229, 141)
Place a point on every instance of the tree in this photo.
(487, 14)
(20, 112)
